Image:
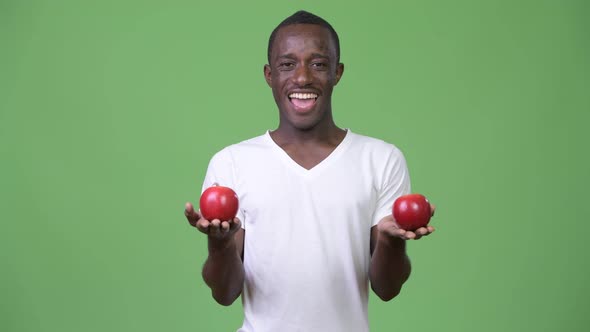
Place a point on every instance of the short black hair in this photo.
(303, 17)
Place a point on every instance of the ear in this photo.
(267, 75)
(339, 72)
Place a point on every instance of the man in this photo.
(314, 224)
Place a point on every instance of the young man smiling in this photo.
(314, 225)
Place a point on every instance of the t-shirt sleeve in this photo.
(395, 183)
(221, 171)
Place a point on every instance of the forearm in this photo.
(223, 272)
(390, 267)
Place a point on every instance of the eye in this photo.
(319, 65)
(286, 65)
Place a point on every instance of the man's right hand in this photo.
(215, 229)
(223, 271)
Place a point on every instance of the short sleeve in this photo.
(221, 171)
(395, 182)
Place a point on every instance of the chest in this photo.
(308, 157)
(279, 191)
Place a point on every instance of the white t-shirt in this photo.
(307, 232)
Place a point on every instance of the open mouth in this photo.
(303, 101)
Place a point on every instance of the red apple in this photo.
(219, 202)
(411, 211)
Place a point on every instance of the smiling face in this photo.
(302, 73)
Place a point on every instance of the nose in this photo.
(302, 75)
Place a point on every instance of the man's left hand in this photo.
(388, 227)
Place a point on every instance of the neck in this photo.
(325, 132)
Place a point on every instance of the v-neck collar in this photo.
(340, 148)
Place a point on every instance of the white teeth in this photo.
(303, 95)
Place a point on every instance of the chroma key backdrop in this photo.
(110, 111)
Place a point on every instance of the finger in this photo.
(215, 227)
(409, 235)
(235, 224)
(430, 229)
(396, 232)
(188, 209)
(191, 215)
(432, 209)
(203, 225)
(388, 218)
(224, 226)
(421, 231)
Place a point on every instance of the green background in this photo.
(111, 110)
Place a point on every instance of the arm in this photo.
(390, 265)
(223, 271)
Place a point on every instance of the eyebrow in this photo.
(318, 55)
(313, 55)
(287, 56)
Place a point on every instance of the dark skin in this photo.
(223, 271)
(303, 61)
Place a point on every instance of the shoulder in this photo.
(375, 147)
(246, 147)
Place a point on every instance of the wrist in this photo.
(389, 241)
(219, 246)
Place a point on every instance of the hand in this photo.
(388, 227)
(215, 229)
